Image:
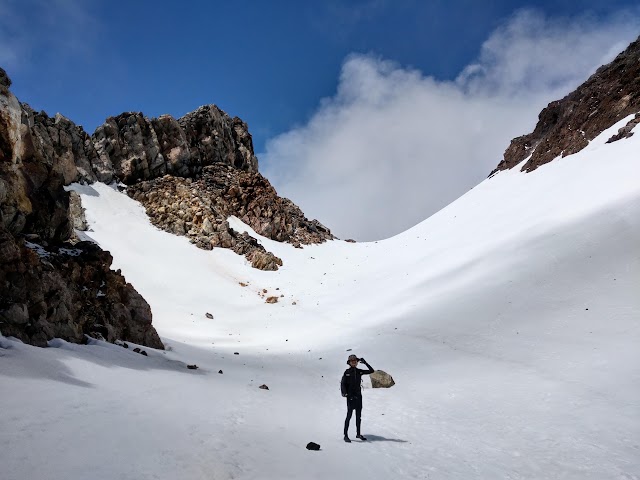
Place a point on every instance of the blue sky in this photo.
(281, 66)
(269, 62)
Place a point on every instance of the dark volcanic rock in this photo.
(566, 126)
(50, 288)
(131, 147)
(68, 291)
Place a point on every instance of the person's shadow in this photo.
(378, 438)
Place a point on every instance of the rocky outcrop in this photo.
(567, 126)
(191, 174)
(199, 207)
(68, 291)
(626, 131)
(47, 288)
(132, 147)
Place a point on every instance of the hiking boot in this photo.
(361, 437)
(347, 439)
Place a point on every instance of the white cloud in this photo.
(393, 146)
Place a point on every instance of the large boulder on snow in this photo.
(381, 379)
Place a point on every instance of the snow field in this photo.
(509, 321)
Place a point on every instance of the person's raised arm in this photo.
(366, 372)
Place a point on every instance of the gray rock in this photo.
(381, 379)
(76, 212)
(17, 314)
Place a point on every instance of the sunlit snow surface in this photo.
(510, 322)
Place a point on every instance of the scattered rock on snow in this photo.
(192, 367)
(220, 372)
(272, 300)
(313, 446)
(208, 315)
(263, 387)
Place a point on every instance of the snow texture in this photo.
(509, 321)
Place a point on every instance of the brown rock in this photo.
(566, 126)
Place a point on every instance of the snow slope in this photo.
(510, 321)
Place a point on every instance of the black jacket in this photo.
(350, 383)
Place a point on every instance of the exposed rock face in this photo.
(68, 291)
(57, 292)
(626, 131)
(131, 147)
(191, 173)
(199, 208)
(566, 126)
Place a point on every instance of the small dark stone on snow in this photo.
(263, 387)
(313, 446)
(125, 345)
(220, 371)
(208, 315)
(348, 349)
(236, 353)
(192, 367)
(142, 352)
(137, 350)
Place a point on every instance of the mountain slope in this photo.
(508, 320)
(567, 126)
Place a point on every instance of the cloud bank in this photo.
(394, 146)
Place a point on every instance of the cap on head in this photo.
(351, 357)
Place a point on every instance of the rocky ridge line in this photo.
(567, 126)
(40, 155)
(132, 147)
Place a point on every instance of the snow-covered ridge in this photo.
(509, 321)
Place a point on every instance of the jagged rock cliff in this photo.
(132, 147)
(48, 287)
(191, 174)
(566, 126)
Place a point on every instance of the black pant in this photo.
(354, 402)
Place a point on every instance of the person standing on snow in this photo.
(351, 389)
